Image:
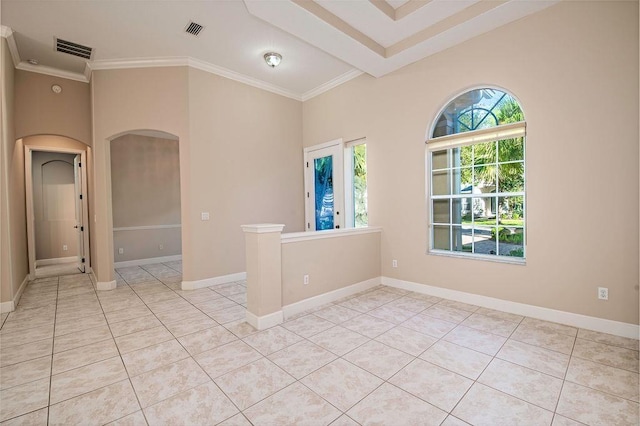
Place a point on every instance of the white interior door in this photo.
(79, 210)
(324, 187)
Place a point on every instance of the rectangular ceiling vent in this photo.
(193, 28)
(74, 49)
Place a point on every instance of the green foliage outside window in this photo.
(361, 218)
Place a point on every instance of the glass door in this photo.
(323, 188)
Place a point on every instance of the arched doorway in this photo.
(57, 205)
(146, 200)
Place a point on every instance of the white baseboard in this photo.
(265, 321)
(106, 285)
(576, 320)
(149, 261)
(208, 282)
(10, 306)
(101, 285)
(56, 261)
(323, 299)
(6, 307)
(16, 298)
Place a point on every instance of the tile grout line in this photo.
(123, 364)
(191, 356)
(341, 324)
(53, 345)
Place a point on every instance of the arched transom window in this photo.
(476, 157)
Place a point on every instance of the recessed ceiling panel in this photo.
(376, 40)
(397, 3)
(322, 42)
(368, 19)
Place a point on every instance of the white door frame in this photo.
(78, 194)
(31, 236)
(336, 148)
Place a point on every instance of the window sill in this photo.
(484, 257)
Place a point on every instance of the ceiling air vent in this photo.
(74, 49)
(193, 28)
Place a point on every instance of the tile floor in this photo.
(149, 353)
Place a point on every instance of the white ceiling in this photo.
(323, 42)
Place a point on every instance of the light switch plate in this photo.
(205, 215)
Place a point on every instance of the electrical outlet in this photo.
(161, 247)
(305, 279)
(394, 263)
(204, 216)
(120, 250)
(64, 247)
(603, 293)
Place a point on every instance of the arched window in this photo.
(476, 158)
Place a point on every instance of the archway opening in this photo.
(146, 208)
(57, 192)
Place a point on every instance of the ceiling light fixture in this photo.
(272, 59)
(33, 61)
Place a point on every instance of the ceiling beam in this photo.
(337, 23)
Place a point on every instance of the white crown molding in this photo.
(341, 41)
(87, 71)
(5, 31)
(197, 64)
(232, 75)
(223, 72)
(11, 42)
(325, 87)
(138, 63)
(54, 72)
(98, 65)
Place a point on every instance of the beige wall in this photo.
(53, 143)
(54, 206)
(264, 272)
(124, 101)
(145, 191)
(39, 111)
(245, 166)
(570, 80)
(331, 263)
(145, 243)
(240, 159)
(13, 232)
(145, 181)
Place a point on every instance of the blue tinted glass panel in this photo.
(324, 192)
(478, 109)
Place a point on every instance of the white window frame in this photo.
(349, 207)
(337, 146)
(343, 182)
(505, 131)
